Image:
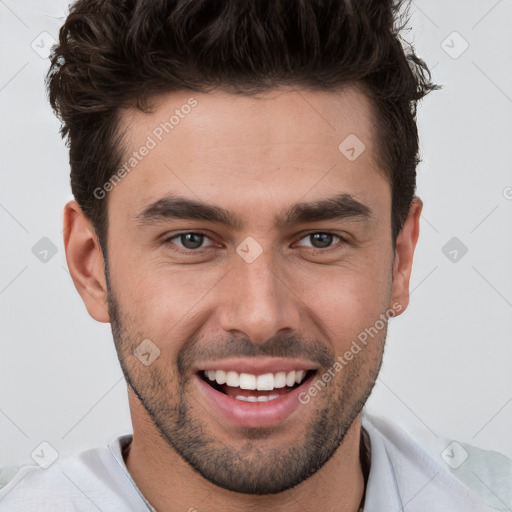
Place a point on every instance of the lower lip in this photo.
(252, 414)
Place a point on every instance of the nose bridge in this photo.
(258, 301)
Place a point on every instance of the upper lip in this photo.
(257, 365)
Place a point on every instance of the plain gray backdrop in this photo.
(447, 364)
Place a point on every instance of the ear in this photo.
(85, 261)
(404, 252)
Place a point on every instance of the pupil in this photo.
(192, 240)
(323, 242)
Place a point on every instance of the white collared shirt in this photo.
(410, 472)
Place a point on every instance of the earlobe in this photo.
(85, 261)
(404, 253)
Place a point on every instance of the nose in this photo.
(259, 299)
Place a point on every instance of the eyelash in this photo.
(204, 249)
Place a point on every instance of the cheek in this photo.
(347, 300)
(164, 299)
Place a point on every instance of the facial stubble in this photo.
(254, 466)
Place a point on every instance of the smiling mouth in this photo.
(249, 387)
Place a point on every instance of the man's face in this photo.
(258, 297)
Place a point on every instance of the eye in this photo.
(193, 241)
(190, 240)
(321, 240)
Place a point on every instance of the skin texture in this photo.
(253, 156)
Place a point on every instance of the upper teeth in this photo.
(265, 382)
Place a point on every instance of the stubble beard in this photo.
(255, 466)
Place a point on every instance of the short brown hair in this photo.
(114, 54)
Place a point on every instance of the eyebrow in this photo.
(339, 207)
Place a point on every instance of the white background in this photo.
(448, 360)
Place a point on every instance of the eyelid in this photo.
(168, 239)
(340, 238)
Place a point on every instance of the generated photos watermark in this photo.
(152, 141)
(355, 347)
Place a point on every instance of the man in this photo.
(245, 218)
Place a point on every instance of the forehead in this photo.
(235, 148)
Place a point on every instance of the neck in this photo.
(171, 485)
